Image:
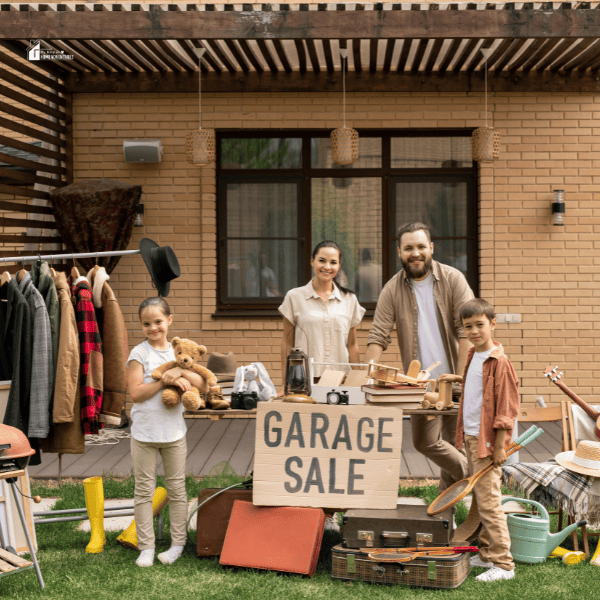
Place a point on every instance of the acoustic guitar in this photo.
(555, 377)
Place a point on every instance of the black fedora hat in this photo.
(162, 264)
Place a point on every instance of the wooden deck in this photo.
(232, 440)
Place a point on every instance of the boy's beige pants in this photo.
(494, 540)
(144, 456)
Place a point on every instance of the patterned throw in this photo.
(90, 347)
(550, 484)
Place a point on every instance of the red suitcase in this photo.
(282, 538)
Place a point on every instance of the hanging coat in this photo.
(42, 376)
(114, 346)
(90, 347)
(17, 340)
(66, 434)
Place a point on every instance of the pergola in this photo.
(267, 48)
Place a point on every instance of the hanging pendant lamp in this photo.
(344, 140)
(201, 144)
(486, 140)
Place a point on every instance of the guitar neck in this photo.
(584, 405)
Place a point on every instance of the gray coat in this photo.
(42, 375)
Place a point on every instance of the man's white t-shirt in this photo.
(474, 393)
(431, 345)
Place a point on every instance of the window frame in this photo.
(259, 307)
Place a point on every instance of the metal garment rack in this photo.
(52, 257)
(72, 255)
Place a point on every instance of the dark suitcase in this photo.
(407, 525)
(439, 572)
(213, 518)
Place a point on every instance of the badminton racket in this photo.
(460, 489)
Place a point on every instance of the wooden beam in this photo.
(18, 207)
(4, 222)
(20, 192)
(28, 86)
(365, 81)
(384, 24)
(31, 103)
(18, 113)
(30, 164)
(28, 178)
(29, 239)
(36, 134)
(20, 145)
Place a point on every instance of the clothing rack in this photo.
(52, 257)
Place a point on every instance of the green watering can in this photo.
(530, 537)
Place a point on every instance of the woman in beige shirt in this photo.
(321, 317)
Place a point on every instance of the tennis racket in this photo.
(460, 489)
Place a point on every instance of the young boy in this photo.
(488, 408)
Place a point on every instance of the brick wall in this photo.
(545, 273)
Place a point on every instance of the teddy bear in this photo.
(187, 356)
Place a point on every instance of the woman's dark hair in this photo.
(332, 244)
(155, 301)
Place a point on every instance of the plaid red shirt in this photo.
(90, 348)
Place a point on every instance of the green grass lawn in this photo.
(71, 574)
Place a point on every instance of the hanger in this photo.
(21, 274)
(52, 271)
(94, 270)
(5, 277)
(75, 273)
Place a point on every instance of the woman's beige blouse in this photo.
(322, 327)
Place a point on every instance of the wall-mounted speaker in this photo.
(142, 151)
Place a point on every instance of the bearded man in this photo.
(424, 300)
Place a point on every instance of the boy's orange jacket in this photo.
(500, 401)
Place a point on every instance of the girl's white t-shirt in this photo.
(151, 420)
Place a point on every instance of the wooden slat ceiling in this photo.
(393, 47)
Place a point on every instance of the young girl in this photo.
(156, 428)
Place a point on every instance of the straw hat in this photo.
(223, 366)
(584, 460)
(162, 264)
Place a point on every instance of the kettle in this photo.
(530, 537)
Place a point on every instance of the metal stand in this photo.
(11, 479)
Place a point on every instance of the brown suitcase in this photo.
(213, 518)
(439, 572)
(408, 525)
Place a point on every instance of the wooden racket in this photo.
(460, 489)
(455, 549)
(389, 555)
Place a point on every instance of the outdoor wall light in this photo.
(139, 216)
(558, 208)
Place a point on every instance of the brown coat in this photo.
(66, 435)
(116, 351)
(500, 401)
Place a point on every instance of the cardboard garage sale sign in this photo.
(327, 456)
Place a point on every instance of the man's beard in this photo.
(414, 273)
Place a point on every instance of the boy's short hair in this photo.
(477, 306)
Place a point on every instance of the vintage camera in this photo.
(244, 400)
(334, 397)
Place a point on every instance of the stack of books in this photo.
(400, 396)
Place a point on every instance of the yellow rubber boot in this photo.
(94, 502)
(129, 537)
(569, 557)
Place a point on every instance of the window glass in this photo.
(443, 206)
(369, 150)
(261, 153)
(431, 152)
(348, 211)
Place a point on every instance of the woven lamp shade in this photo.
(344, 146)
(201, 147)
(486, 144)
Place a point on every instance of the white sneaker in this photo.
(171, 555)
(146, 558)
(495, 574)
(331, 523)
(477, 562)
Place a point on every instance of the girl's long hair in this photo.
(332, 244)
